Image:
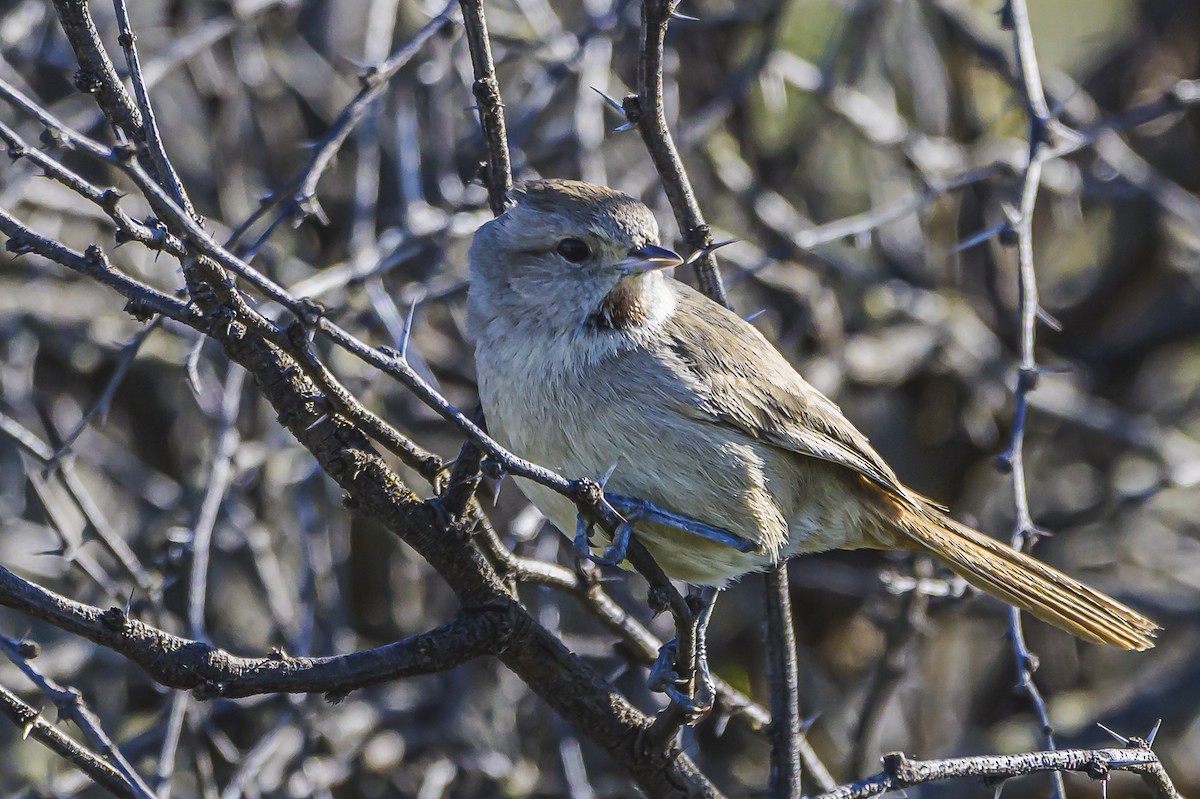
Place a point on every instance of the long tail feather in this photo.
(1027, 583)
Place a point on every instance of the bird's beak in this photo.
(649, 258)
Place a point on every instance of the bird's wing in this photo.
(742, 382)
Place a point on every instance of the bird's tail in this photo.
(1029, 584)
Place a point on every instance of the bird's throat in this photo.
(628, 305)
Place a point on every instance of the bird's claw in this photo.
(581, 546)
(613, 554)
(664, 679)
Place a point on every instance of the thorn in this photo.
(980, 237)
(1004, 461)
(613, 104)
(1121, 738)
(1048, 320)
(27, 728)
(1153, 733)
(497, 484)
(608, 473)
(193, 367)
(618, 671)
(755, 315)
(318, 420)
(806, 724)
(721, 722)
(705, 250)
(406, 334)
(684, 17)
(623, 128)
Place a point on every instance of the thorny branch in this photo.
(70, 705)
(647, 111)
(29, 720)
(1016, 16)
(899, 772)
(210, 672)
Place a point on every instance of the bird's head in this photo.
(570, 255)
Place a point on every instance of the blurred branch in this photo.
(299, 198)
(902, 635)
(32, 725)
(899, 772)
(81, 497)
(70, 705)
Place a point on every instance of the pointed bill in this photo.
(649, 258)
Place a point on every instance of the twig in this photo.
(70, 705)
(783, 677)
(148, 128)
(489, 105)
(899, 772)
(32, 725)
(210, 672)
(645, 109)
(1024, 535)
(300, 195)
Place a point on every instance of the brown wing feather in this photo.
(749, 386)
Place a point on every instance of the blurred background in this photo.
(864, 154)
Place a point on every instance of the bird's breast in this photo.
(582, 416)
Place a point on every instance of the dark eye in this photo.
(573, 250)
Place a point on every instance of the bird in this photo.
(591, 361)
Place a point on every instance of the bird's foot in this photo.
(664, 679)
(613, 554)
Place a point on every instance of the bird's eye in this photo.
(573, 250)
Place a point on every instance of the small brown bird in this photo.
(592, 360)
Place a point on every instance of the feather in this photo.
(1027, 583)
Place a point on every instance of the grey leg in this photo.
(664, 678)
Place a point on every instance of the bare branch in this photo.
(647, 112)
(491, 108)
(211, 672)
(900, 772)
(32, 725)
